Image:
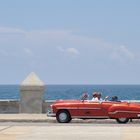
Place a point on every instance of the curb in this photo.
(25, 120)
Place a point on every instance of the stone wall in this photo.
(9, 106)
(12, 106)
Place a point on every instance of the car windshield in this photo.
(84, 96)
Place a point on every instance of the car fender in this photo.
(119, 110)
(124, 110)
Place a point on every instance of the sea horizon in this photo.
(53, 92)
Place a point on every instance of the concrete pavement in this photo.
(71, 131)
(41, 127)
(25, 118)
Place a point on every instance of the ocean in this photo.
(53, 92)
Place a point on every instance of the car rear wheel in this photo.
(122, 120)
(63, 116)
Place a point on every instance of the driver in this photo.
(99, 97)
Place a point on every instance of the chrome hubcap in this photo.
(122, 119)
(62, 116)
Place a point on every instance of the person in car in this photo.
(100, 96)
(115, 98)
(95, 96)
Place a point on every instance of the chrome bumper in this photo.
(51, 114)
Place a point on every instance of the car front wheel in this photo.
(63, 116)
(122, 120)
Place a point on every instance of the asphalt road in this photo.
(71, 131)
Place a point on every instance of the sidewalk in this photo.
(43, 118)
(26, 118)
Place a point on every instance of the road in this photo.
(71, 131)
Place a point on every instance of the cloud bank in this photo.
(70, 43)
(65, 54)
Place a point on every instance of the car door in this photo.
(91, 109)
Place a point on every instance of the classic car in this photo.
(122, 111)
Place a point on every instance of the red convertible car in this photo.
(122, 111)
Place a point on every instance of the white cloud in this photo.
(122, 53)
(56, 36)
(43, 39)
(28, 51)
(36, 50)
(11, 30)
(47, 35)
(61, 49)
(70, 51)
(125, 51)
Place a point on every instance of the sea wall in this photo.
(9, 106)
(12, 106)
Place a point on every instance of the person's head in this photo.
(114, 98)
(99, 95)
(95, 94)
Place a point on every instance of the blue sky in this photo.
(70, 42)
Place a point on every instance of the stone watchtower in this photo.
(31, 94)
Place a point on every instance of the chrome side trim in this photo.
(123, 111)
(90, 108)
(82, 108)
(67, 108)
(87, 117)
